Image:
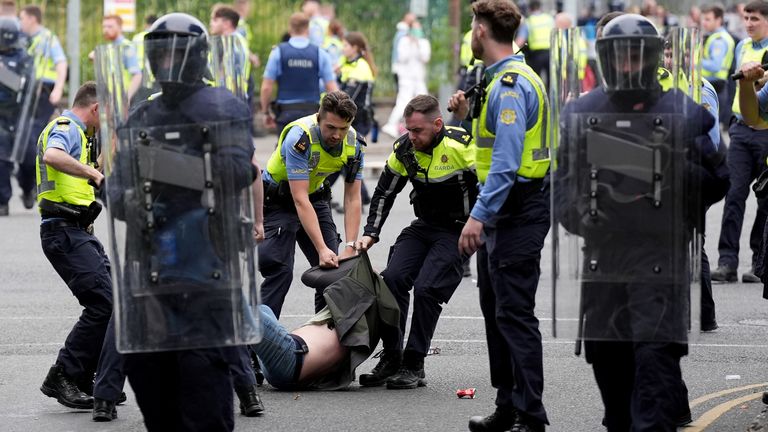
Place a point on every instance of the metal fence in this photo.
(269, 19)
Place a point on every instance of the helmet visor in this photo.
(177, 58)
(629, 63)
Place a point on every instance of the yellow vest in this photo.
(465, 55)
(448, 159)
(358, 70)
(748, 54)
(40, 49)
(321, 163)
(54, 185)
(722, 74)
(535, 159)
(539, 27)
(138, 44)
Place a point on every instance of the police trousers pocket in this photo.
(56, 242)
(272, 231)
(761, 185)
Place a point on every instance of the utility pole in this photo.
(73, 47)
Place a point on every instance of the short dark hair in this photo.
(605, 19)
(150, 19)
(86, 95)
(424, 104)
(33, 11)
(757, 6)
(228, 14)
(339, 103)
(502, 16)
(715, 10)
(535, 5)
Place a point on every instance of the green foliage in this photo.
(269, 21)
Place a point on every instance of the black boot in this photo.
(411, 373)
(526, 424)
(58, 385)
(104, 410)
(501, 420)
(250, 402)
(385, 369)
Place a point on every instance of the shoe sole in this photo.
(728, 278)
(252, 413)
(754, 279)
(420, 383)
(54, 394)
(104, 417)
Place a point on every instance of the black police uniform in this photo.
(424, 257)
(19, 62)
(189, 389)
(640, 381)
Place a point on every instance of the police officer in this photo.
(746, 154)
(635, 325)
(296, 198)
(51, 75)
(297, 66)
(718, 56)
(511, 215)
(138, 39)
(178, 382)
(65, 174)
(439, 163)
(536, 31)
(12, 96)
(112, 30)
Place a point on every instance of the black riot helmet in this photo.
(176, 47)
(10, 33)
(628, 54)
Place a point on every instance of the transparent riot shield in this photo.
(228, 64)
(626, 213)
(178, 192)
(21, 91)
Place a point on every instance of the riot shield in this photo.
(21, 91)
(178, 175)
(228, 65)
(626, 213)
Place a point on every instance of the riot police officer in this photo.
(186, 283)
(296, 66)
(618, 190)
(511, 215)
(65, 174)
(296, 196)
(15, 90)
(439, 163)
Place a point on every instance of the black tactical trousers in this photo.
(79, 258)
(282, 231)
(424, 258)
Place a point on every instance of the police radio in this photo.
(476, 96)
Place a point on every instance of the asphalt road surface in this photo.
(725, 371)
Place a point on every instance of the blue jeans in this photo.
(277, 351)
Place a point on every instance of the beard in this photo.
(477, 48)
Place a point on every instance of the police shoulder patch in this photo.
(62, 125)
(509, 79)
(302, 144)
(458, 134)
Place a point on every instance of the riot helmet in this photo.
(10, 33)
(176, 47)
(629, 52)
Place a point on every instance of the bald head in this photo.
(563, 21)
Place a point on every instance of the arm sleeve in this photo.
(359, 175)
(272, 70)
(712, 105)
(325, 66)
(57, 52)
(296, 162)
(762, 100)
(510, 118)
(390, 184)
(130, 60)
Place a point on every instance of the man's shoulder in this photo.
(217, 103)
